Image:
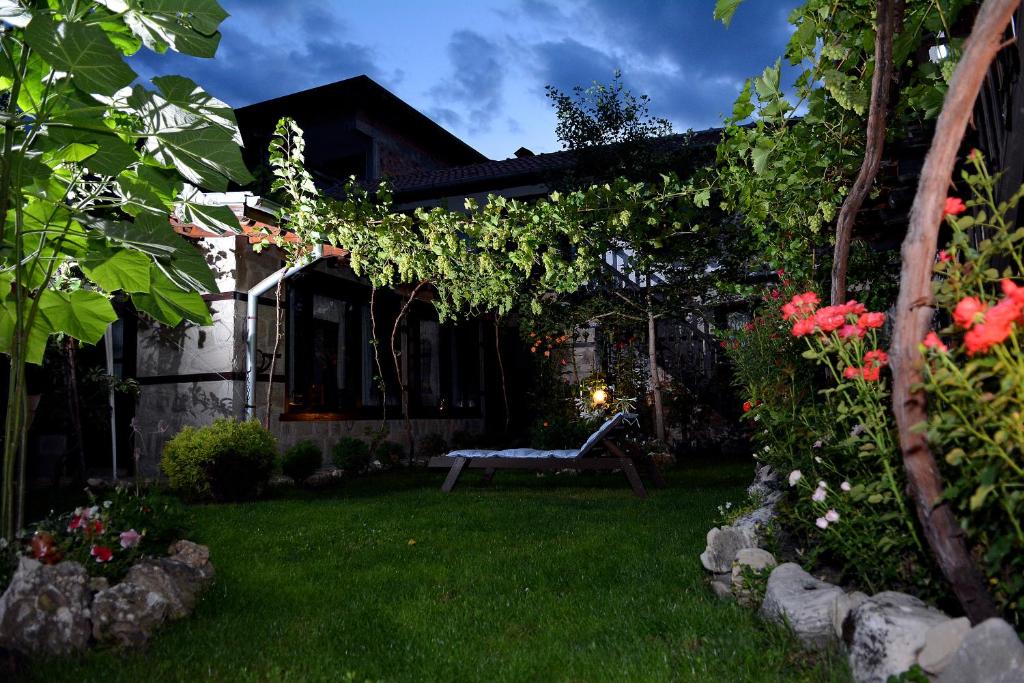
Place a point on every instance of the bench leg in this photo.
(634, 479)
(453, 474)
(488, 475)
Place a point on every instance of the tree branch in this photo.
(874, 144)
(914, 311)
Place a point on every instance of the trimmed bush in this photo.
(226, 460)
(351, 455)
(431, 445)
(301, 460)
(389, 453)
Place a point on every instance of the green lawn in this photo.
(560, 578)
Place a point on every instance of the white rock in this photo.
(991, 652)
(886, 634)
(941, 643)
(805, 603)
(843, 606)
(723, 544)
(45, 609)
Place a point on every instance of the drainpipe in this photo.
(252, 306)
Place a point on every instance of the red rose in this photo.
(944, 256)
(967, 311)
(747, 406)
(853, 307)
(847, 331)
(852, 372)
(932, 341)
(871, 374)
(776, 294)
(954, 206)
(868, 320)
(101, 553)
(803, 327)
(876, 356)
(830, 318)
(1013, 291)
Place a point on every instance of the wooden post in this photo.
(914, 311)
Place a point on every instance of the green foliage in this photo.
(561, 432)
(351, 455)
(833, 436)
(301, 460)
(976, 387)
(785, 163)
(91, 168)
(431, 445)
(388, 453)
(227, 460)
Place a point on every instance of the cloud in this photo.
(478, 76)
(264, 55)
(568, 63)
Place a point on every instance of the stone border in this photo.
(55, 610)
(883, 635)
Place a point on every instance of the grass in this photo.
(560, 578)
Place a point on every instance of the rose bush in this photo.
(975, 381)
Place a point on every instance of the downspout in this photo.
(252, 306)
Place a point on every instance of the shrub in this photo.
(431, 445)
(351, 455)
(561, 432)
(301, 460)
(227, 460)
(389, 453)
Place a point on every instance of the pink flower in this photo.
(832, 516)
(819, 495)
(944, 256)
(794, 477)
(130, 538)
(821, 522)
(102, 553)
(845, 486)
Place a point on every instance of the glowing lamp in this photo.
(599, 397)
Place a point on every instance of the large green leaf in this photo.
(115, 268)
(38, 335)
(81, 314)
(724, 9)
(84, 51)
(169, 304)
(187, 26)
(206, 157)
(180, 260)
(112, 154)
(218, 219)
(185, 93)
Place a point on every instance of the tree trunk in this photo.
(403, 383)
(501, 370)
(874, 144)
(74, 405)
(914, 312)
(652, 356)
(273, 355)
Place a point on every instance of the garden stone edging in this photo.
(884, 635)
(58, 610)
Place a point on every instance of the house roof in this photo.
(519, 170)
(350, 96)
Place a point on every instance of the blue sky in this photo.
(479, 68)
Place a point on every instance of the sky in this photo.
(479, 67)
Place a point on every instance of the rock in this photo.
(195, 556)
(749, 559)
(325, 478)
(45, 609)
(721, 590)
(766, 480)
(845, 604)
(886, 633)
(754, 523)
(175, 582)
(991, 652)
(280, 481)
(796, 598)
(941, 643)
(724, 578)
(723, 544)
(128, 614)
(97, 584)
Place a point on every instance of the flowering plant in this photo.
(975, 380)
(106, 536)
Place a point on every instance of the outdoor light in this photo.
(599, 397)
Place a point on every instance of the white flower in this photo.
(832, 516)
(817, 459)
(857, 430)
(818, 495)
(817, 444)
(821, 522)
(794, 477)
(757, 418)
(845, 486)
(767, 448)
(108, 503)
(728, 505)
